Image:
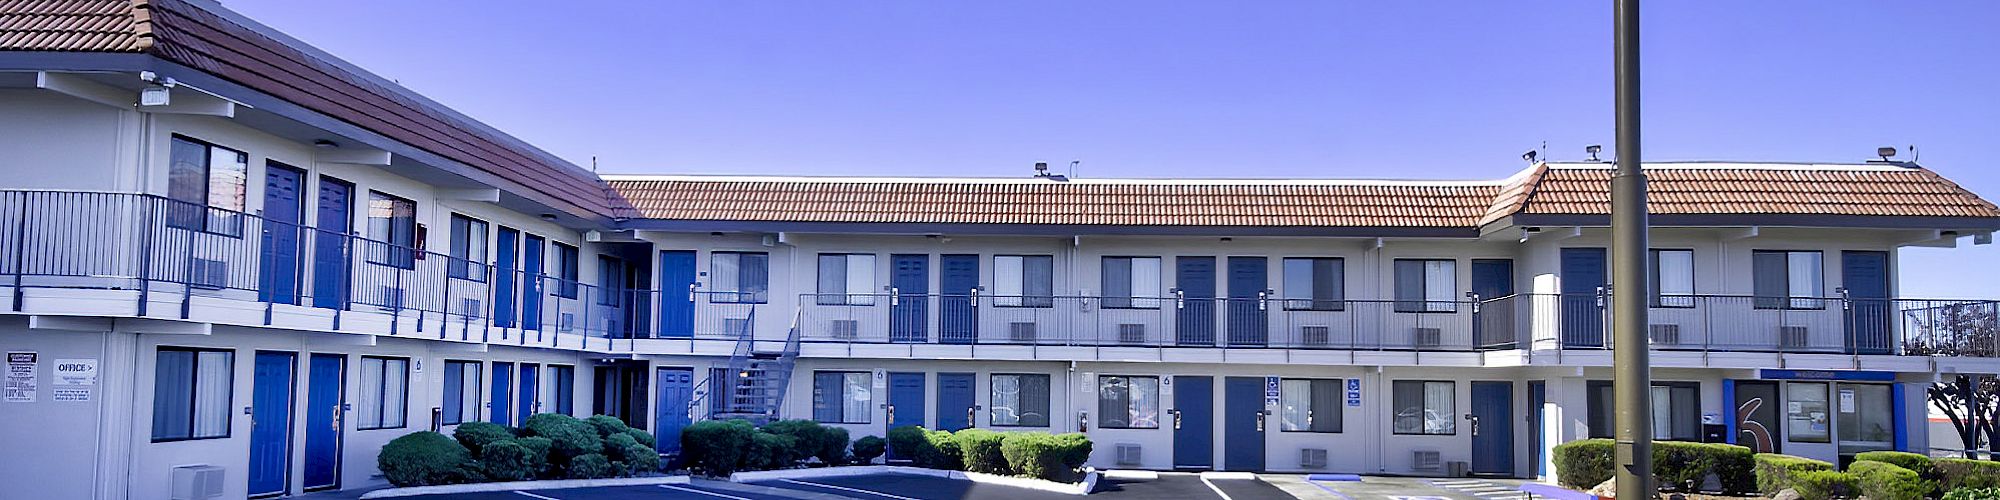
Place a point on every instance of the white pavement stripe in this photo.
(1484, 487)
(532, 495)
(1459, 482)
(844, 488)
(709, 493)
(1211, 486)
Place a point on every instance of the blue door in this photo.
(906, 399)
(1538, 395)
(1494, 279)
(1493, 428)
(1243, 423)
(324, 396)
(676, 393)
(1194, 422)
(958, 315)
(531, 282)
(527, 393)
(1582, 314)
(282, 214)
(910, 315)
(677, 281)
(503, 392)
(1866, 277)
(1194, 300)
(331, 252)
(1249, 287)
(954, 399)
(271, 423)
(506, 271)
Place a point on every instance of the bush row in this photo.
(1677, 466)
(546, 446)
(1055, 457)
(1879, 475)
(722, 447)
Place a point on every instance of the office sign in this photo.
(76, 372)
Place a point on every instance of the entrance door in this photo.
(325, 393)
(1494, 279)
(271, 423)
(506, 269)
(906, 399)
(1493, 428)
(282, 217)
(529, 398)
(1194, 300)
(1249, 286)
(1866, 276)
(502, 393)
(1243, 423)
(531, 282)
(1756, 416)
(955, 403)
(1194, 422)
(958, 315)
(331, 252)
(676, 394)
(1582, 315)
(1538, 395)
(677, 274)
(910, 315)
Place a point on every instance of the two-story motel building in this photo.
(223, 251)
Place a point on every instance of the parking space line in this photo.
(859, 490)
(1330, 490)
(532, 495)
(1212, 487)
(709, 493)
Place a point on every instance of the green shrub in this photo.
(607, 425)
(1973, 494)
(1584, 463)
(1038, 454)
(940, 452)
(1918, 463)
(425, 458)
(1684, 467)
(1823, 484)
(507, 460)
(591, 466)
(907, 442)
(1777, 473)
(1887, 481)
(538, 453)
(812, 439)
(630, 455)
(832, 449)
(475, 436)
(643, 437)
(716, 447)
(1075, 448)
(980, 449)
(568, 437)
(869, 447)
(769, 451)
(1958, 473)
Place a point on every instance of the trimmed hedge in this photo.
(1959, 473)
(1583, 464)
(1040, 455)
(716, 447)
(1824, 484)
(907, 442)
(507, 460)
(1677, 466)
(548, 446)
(981, 451)
(1973, 494)
(868, 448)
(476, 435)
(812, 440)
(940, 452)
(568, 437)
(590, 466)
(629, 455)
(426, 458)
(1887, 481)
(1777, 473)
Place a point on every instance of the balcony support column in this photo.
(1631, 373)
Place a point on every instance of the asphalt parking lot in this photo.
(1145, 486)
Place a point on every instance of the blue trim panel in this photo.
(1729, 417)
(1862, 376)
(1901, 414)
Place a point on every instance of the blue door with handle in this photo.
(1865, 275)
(906, 399)
(677, 291)
(954, 399)
(502, 393)
(676, 386)
(506, 272)
(528, 393)
(1249, 286)
(1193, 417)
(1194, 300)
(1582, 313)
(325, 396)
(271, 423)
(1492, 422)
(1493, 279)
(958, 283)
(331, 251)
(531, 282)
(282, 217)
(1243, 421)
(910, 314)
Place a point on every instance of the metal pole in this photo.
(1632, 377)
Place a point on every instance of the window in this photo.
(383, 397)
(191, 394)
(1671, 274)
(846, 279)
(1786, 280)
(1131, 282)
(739, 277)
(1309, 405)
(1315, 284)
(392, 230)
(461, 391)
(610, 289)
(1676, 410)
(468, 248)
(1425, 407)
(1806, 413)
(566, 271)
(1867, 418)
(565, 391)
(842, 397)
(1128, 402)
(1426, 285)
(202, 176)
(1024, 280)
(1020, 400)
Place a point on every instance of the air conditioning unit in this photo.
(1427, 337)
(1128, 454)
(1792, 337)
(197, 482)
(1426, 460)
(738, 327)
(844, 329)
(1312, 458)
(210, 274)
(566, 322)
(1315, 335)
(1664, 334)
(1132, 333)
(1021, 331)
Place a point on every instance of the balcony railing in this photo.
(1839, 325)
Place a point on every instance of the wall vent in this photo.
(844, 329)
(1427, 337)
(1132, 333)
(1021, 331)
(1128, 454)
(1664, 334)
(1312, 458)
(1315, 335)
(1791, 337)
(197, 482)
(1426, 460)
(209, 274)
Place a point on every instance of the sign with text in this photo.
(76, 372)
(20, 385)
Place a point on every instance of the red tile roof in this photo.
(1885, 191)
(70, 25)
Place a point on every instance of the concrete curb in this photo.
(523, 485)
(1082, 488)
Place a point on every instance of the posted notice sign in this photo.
(76, 372)
(20, 385)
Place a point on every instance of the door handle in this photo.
(336, 419)
(1474, 419)
(1180, 299)
(892, 416)
(1263, 300)
(895, 296)
(1177, 418)
(969, 420)
(1260, 421)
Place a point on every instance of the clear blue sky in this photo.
(1455, 89)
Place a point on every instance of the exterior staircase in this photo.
(756, 378)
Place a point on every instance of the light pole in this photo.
(1631, 370)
